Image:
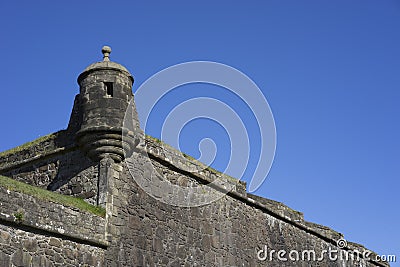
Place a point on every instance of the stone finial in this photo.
(106, 50)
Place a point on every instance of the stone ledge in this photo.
(161, 152)
(165, 153)
(279, 208)
(29, 149)
(40, 148)
(324, 230)
(360, 248)
(186, 164)
(28, 212)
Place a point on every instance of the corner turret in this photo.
(105, 93)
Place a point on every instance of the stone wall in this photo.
(54, 163)
(228, 232)
(171, 164)
(139, 229)
(37, 232)
(24, 248)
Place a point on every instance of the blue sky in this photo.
(329, 70)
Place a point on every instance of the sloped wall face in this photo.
(70, 173)
(36, 232)
(227, 232)
(55, 163)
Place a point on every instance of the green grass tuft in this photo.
(188, 157)
(27, 145)
(43, 194)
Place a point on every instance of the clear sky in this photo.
(329, 70)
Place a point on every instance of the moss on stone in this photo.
(190, 158)
(27, 145)
(153, 138)
(43, 194)
(158, 141)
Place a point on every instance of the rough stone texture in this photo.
(228, 232)
(105, 94)
(86, 160)
(34, 232)
(174, 159)
(30, 212)
(69, 172)
(22, 248)
(141, 231)
(96, 101)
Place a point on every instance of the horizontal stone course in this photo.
(22, 248)
(22, 210)
(226, 226)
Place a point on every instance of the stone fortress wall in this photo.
(133, 228)
(145, 231)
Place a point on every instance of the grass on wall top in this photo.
(46, 195)
(27, 145)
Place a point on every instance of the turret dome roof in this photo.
(106, 63)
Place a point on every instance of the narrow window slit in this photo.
(109, 88)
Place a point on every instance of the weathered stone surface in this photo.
(224, 233)
(30, 244)
(69, 172)
(48, 216)
(54, 242)
(47, 255)
(139, 230)
(4, 259)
